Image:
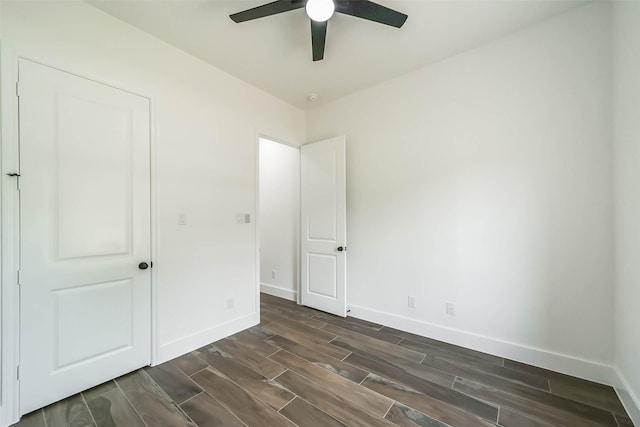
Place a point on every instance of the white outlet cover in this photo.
(411, 302)
(451, 309)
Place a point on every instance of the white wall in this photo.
(206, 125)
(626, 108)
(279, 218)
(485, 181)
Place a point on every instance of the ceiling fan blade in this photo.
(318, 38)
(268, 9)
(366, 9)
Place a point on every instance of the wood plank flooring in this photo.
(302, 367)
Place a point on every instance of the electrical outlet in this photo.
(273, 274)
(182, 219)
(451, 309)
(411, 302)
(230, 303)
(243, 218)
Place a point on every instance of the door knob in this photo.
(340, 249)
(143, 266)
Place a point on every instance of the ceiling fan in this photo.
(319, 12)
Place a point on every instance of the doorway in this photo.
(302, 201)
(279, 203)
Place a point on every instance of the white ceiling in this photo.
(274, 53)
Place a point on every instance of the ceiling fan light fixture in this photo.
(320, 10)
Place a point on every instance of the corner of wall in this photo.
(629, 400)
(279, 292)
(626, 132)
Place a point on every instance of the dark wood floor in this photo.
(306, 368)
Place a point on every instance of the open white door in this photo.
(323, 226)
(85, 285)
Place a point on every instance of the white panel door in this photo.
(323, 226)
(84, 232)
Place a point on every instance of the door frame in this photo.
(260, 135)
(10, 223)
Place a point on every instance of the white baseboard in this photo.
(570, 365)
(279, 292)
(192, 342)
(629, 399)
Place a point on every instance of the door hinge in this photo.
(18, 89)
(18, 279)
(18, 372)
(17, 177)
